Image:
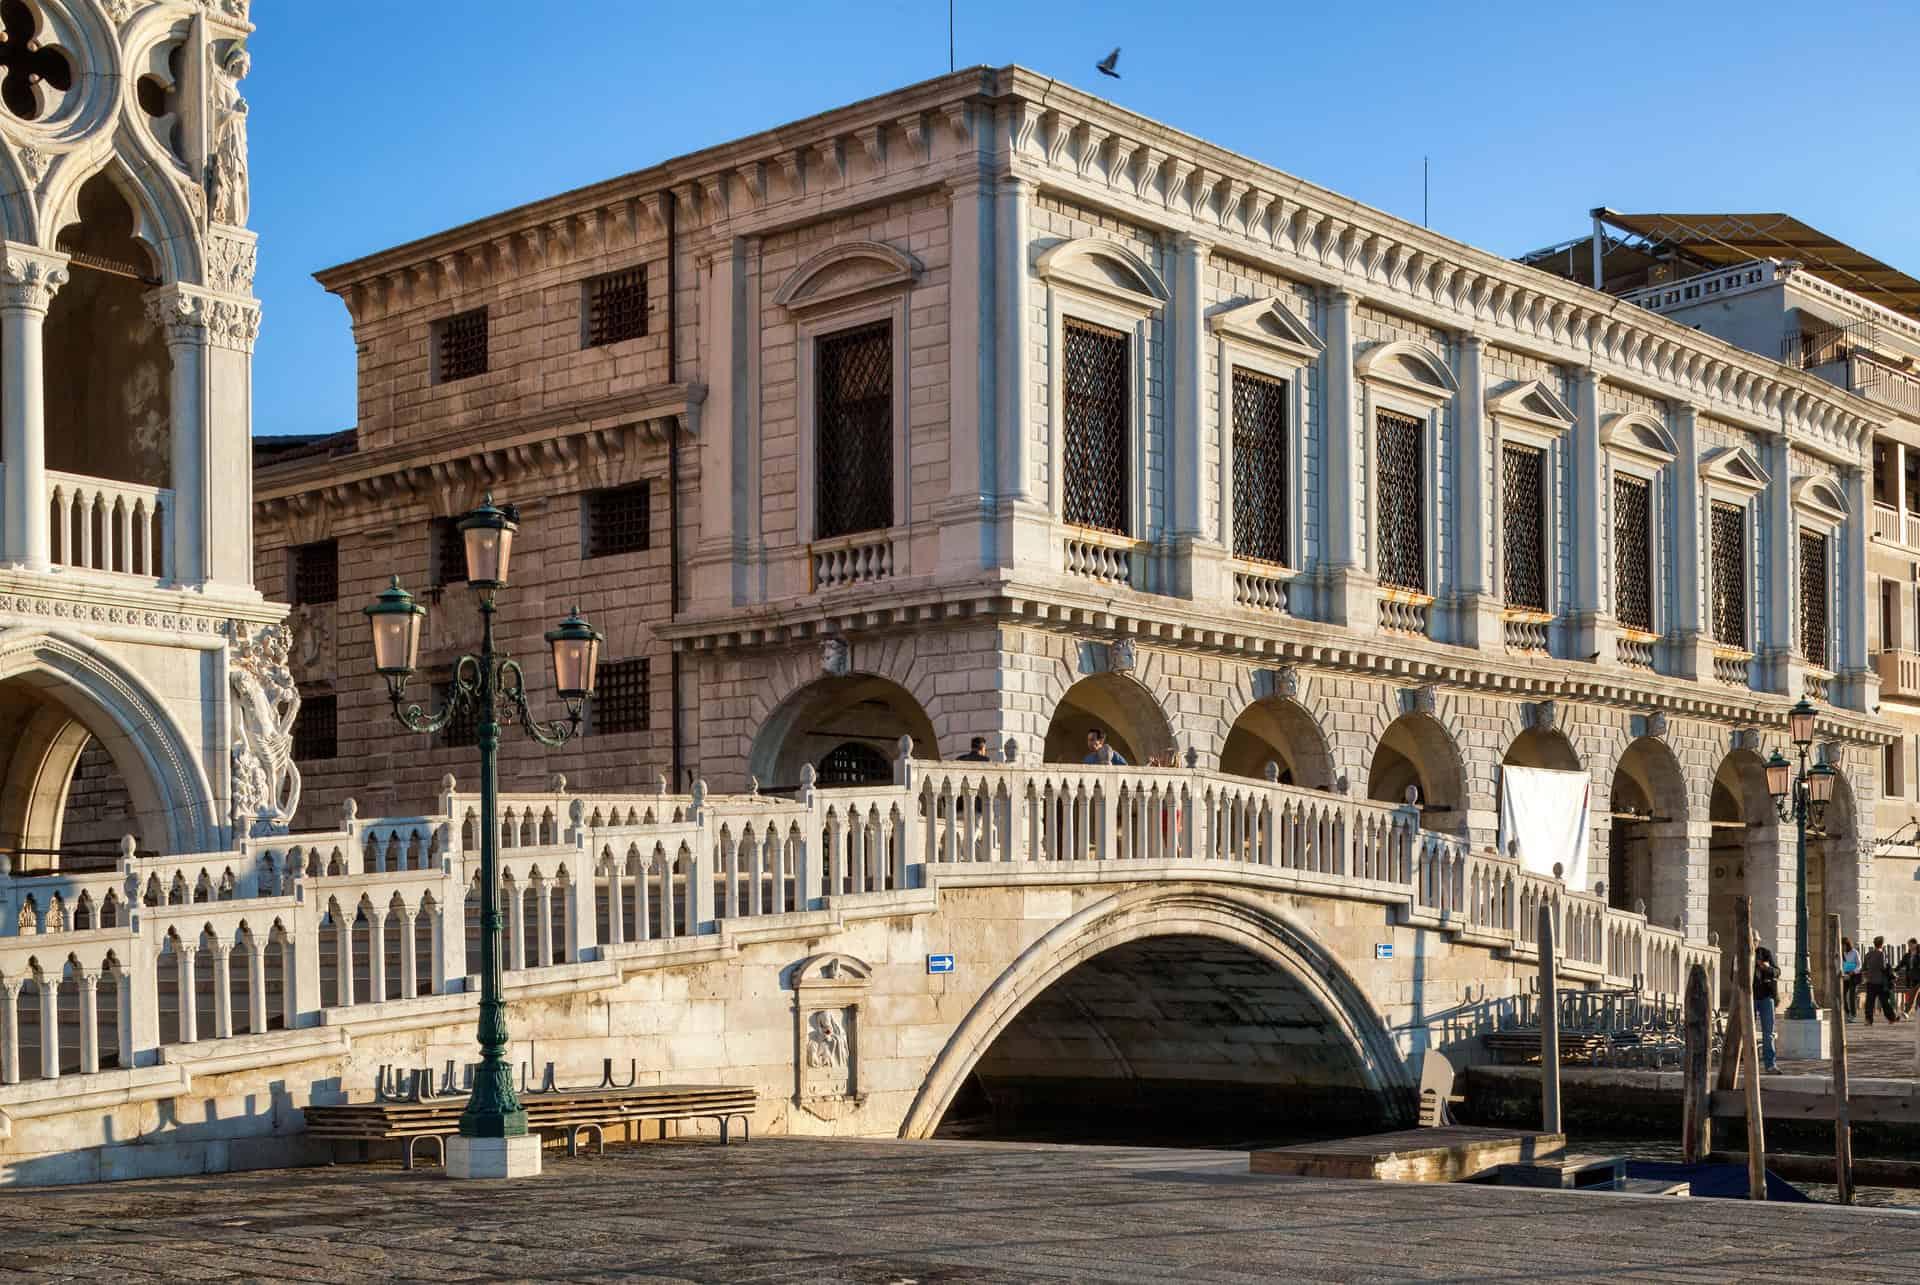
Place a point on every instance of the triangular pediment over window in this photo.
(1638, 433)
(1733, 466)
(853, 268)
(1532, 402)
(1269, 324)
(1408, 367)
(1820, 498)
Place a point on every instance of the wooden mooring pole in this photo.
(1698, 1138)
(1550, 1121)
(1842, 1124)
(1748, 1048)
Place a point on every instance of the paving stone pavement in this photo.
(791, 1210)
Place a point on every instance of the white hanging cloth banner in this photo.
(1550, 814)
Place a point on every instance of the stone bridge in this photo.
(1120, 939)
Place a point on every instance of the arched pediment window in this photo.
(847, 270)
(1104, 268)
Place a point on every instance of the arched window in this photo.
(852, 763)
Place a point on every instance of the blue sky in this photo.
(428, 113)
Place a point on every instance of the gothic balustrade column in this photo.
(376, 956)
(9, 1031)
(49, 984)
(29, 278)
(222, 991)
(257, 986)
(516, 901)
(616, 895)
(409, 955)
(667, 863)
(343, 952)
(189, 998)
(436, 951)
(89, 1023)
(123, 1002)
(699, 915)
(543, 922)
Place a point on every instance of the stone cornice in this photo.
(135, 614)
(1033, 128)
(1259, 638)
(532, 446)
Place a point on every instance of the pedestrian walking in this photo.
(1876, 976)
(1766, 995)
(1910, 976)
(1850, 976)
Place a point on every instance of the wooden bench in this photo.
(573, 1113)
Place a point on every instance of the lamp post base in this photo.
(493, 1157)
(1804, 1039)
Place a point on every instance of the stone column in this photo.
(1771, 879)
(437, 954)
(1478, 621)
(257, 986)
(1200, 567)
(1859, 685)
(516, 899)
(29, 278)
(1692, 646)
(1349, 598)
(1589, 621)
(616, 896)
(89, 1023)
(1025, 512)
(1679, 870)
(189, 997)
(181, 313)
(1782, 667)
(409, 955)
(9, 1031)
(966, 539)
(222, 991)
(123, 1039)
(667, 863)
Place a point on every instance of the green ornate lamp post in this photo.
(490, 687)
(1799, 796)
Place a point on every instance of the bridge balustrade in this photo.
(157, 959)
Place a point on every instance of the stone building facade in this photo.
(987, 408)
(141, 695)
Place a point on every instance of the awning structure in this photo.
(1718, 240)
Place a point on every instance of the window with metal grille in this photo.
(1094, 371)
(449, 552)
(316, 729)
(462, 343)
(315, 573)
(853, 431)
(619, 520)
(1632, 553)
(617, 306)
(1400, 498)
(1728, 532)
(1813, 598)
(460, 729)
(621, 697)
(1260, 482)
(1523, 526)
(852, 763)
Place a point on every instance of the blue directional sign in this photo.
(1383, 950)
(939, 963)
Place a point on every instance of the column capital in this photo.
(194, 315)
(30, 277)
(10, 988)
(90, 979)
(220, 950)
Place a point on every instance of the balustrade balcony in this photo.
(114, 527)
(1899, 673)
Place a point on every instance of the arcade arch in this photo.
(1283, 732)
(1136, 726)
(1647, 834)
(848, 727)
(1417, 750)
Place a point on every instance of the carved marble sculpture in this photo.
(227, 167)
(265, 701)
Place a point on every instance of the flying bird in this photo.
(1105, 65)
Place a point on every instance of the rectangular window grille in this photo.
(1094, 371)
(316, 729)
(1260, 482)
(460, 729)
(449, 552)
(463, 345)
(1729, 561)
(617, 306)
(316, 572)
(621, 694)
(1813, 598)
(619, 520)
(1523, 545)
(853, 431)
(1633, 553)
(1400, 498)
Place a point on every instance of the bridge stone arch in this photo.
(1284, 983)
(53, 682)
